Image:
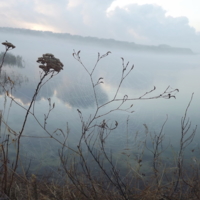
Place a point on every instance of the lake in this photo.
(71, 89)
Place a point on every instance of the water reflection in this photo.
(79, 94)
(12, 60)
(11, 79)
(72, 89)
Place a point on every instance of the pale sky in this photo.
(151, 22)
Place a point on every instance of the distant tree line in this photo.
(131, 46)
(12, 60)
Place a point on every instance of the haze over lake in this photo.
(71, 88)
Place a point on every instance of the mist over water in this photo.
(71, 89)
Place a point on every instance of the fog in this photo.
(71, 89)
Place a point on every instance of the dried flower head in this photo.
(8, 45)
(48, 62)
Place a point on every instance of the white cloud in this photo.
(46, 8)
(150, 21)
(173, 8)
(73, 3)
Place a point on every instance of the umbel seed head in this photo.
(8, 45)
(48, 62)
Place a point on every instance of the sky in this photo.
(151, 22)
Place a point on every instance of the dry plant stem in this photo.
(3, 59)
(42, 84)
(4, 180)
(115, 179)
(5, 160)
(86, 126)
(184, 142)
(96, 158)
(71, 173)
(87, 170)
(32, 113)
(157, 149)
(123, 76)
(77, 57)
(166, 94)
(22, 129)
(120, 184)
(89, 125)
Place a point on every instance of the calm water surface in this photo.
(71, 90)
